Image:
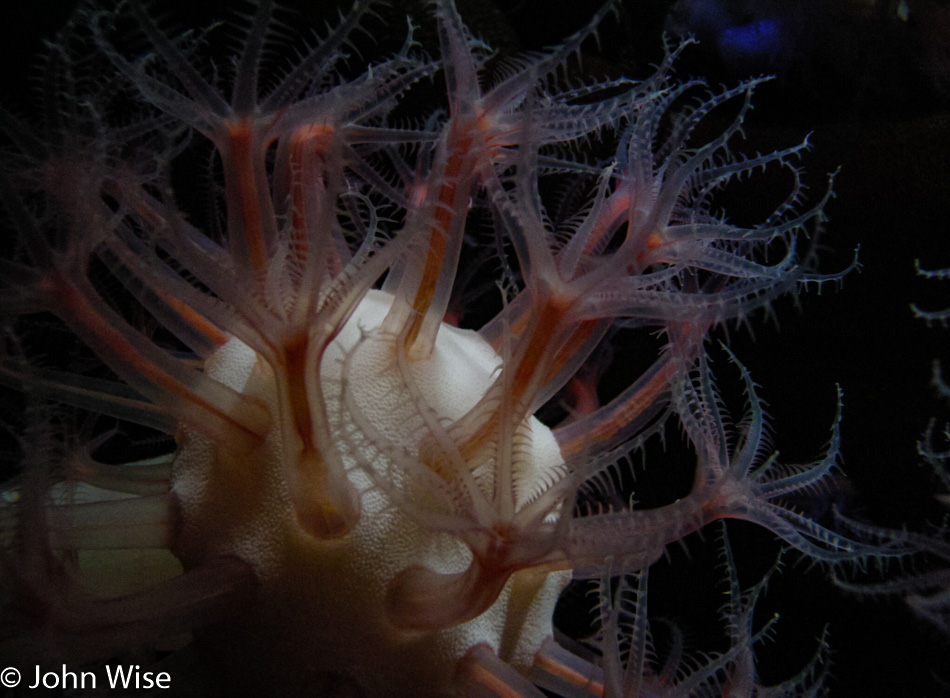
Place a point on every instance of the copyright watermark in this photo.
(10, 677)
(119, 676)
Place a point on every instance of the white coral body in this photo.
(325, 599)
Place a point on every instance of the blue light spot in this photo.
(755, 40)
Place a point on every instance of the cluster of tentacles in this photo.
(339, 309)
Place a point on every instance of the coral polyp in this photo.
(361, 498)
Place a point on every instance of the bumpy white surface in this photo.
(322, 611)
